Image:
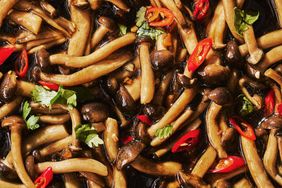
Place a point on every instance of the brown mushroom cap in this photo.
(214, 74)
(161, 59)
(42, 60)
(232, 54)
(8, 87)
(95, 112)
(272, 122)
(220, 96)
(108, 23)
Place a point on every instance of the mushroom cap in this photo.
(161, 59)
(8, 87)
(95, 112)
(220, 96)
(107, 22)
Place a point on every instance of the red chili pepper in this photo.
(269, 103)
(5, 53)
(201, 9)
(50, 85)
(247, 131)
(153, 16)
(144, 119)
(189, 140)
(199, 54)
(21, 65)
(126, 139)
(44, 179)
(228, 164)
(279, 109)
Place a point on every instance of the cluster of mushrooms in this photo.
(131, 88)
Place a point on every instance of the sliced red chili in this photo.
(126, 139)
(5, 53)
(154, 15)
(44, 179)
(199, 54)
(186, 142)
(145, 119)
(21, 65)
(269, 103)
(228, 164)
(247, 131)
(50, 85)
(279, 109)
(201, 9)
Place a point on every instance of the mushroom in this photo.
(6, 109)
(7, 172)
(186, 180)
(125, 101)
(71, 180)
(106, 25)
(8, 87)
(272, 122)
(221, 183)
(29, 165)
(243, 183)
(278, 7)
(42, 60)
(186, 82)
(82, 4)
(5, 7)
(16, 125)
(94, 4)
(111, 138)
(161, 59)
(221, 96)
(232, 54)
(128, 153)
(271, 57)
(59, 119)
(56, 146)
(120, 4)
(95, 112)
(48, 8)
(214, 74)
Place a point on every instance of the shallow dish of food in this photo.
(140, 94)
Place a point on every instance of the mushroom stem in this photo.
(270, 157)
(134, 88)
(48, 8)
(255, 164)
(24, 88)
(87, 74)
(176, 12)
(178, 106)
(250, 39)
(82, 4)
(71, 181)
(274, 76)
(227, 176)
(278, 8)
(16, 124)
(146, 166)
(92, 184)
(164, 85)
(59, 119)
(213, 129)
(94, 4)
(243, 183)
(111, 138)
(98, 35)
(270, 58)
(56, 146)
(82, 21)
(27, 20)
(96, 56)
(5, 7)
(147, 74)
(98, 180)
(8, 108)
(47, 45)
(11, 185)
(119, 178)
(120, 4)
(205, 162)
(229, 13)
(74, 165)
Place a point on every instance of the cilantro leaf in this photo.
(164, 132)
(26, 110)
(88, 135)
(47, 97)
(247, 106)
(140, 16)
(244, 18)
(31, 123)
(122, 29)
(146, 31)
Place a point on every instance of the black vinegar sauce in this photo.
(267, 22)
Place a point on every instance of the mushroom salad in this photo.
(140, 93)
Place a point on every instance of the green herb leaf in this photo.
(146, 31)
(31, 123)
(88, 135)
(26, 110)
(47, 97)
(164, 132)
(122, 29)
(247, 106)
(244, 18)
(140, 16)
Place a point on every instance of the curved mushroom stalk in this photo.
(11, 185)
(255, 164)
(119, 178)
(87, 74)
(179, 105)
(270, 157)
(243, 183)
(8, 108)
(5, 7)
(164, 85)
(27, 20)
(192, 180)
(55, 146)
(250, 39)
(48, 8)
(71, 181)
(16, 124)
(278, 8)
(53, 120)
(111, 137)
(106, 25)
(270, 58)
(274, 75)
(74, 165)
(266, 41)
(96, 56)
(98, 180)
(82, 4)
(147, 74)
(144, 165)
(213, 129)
